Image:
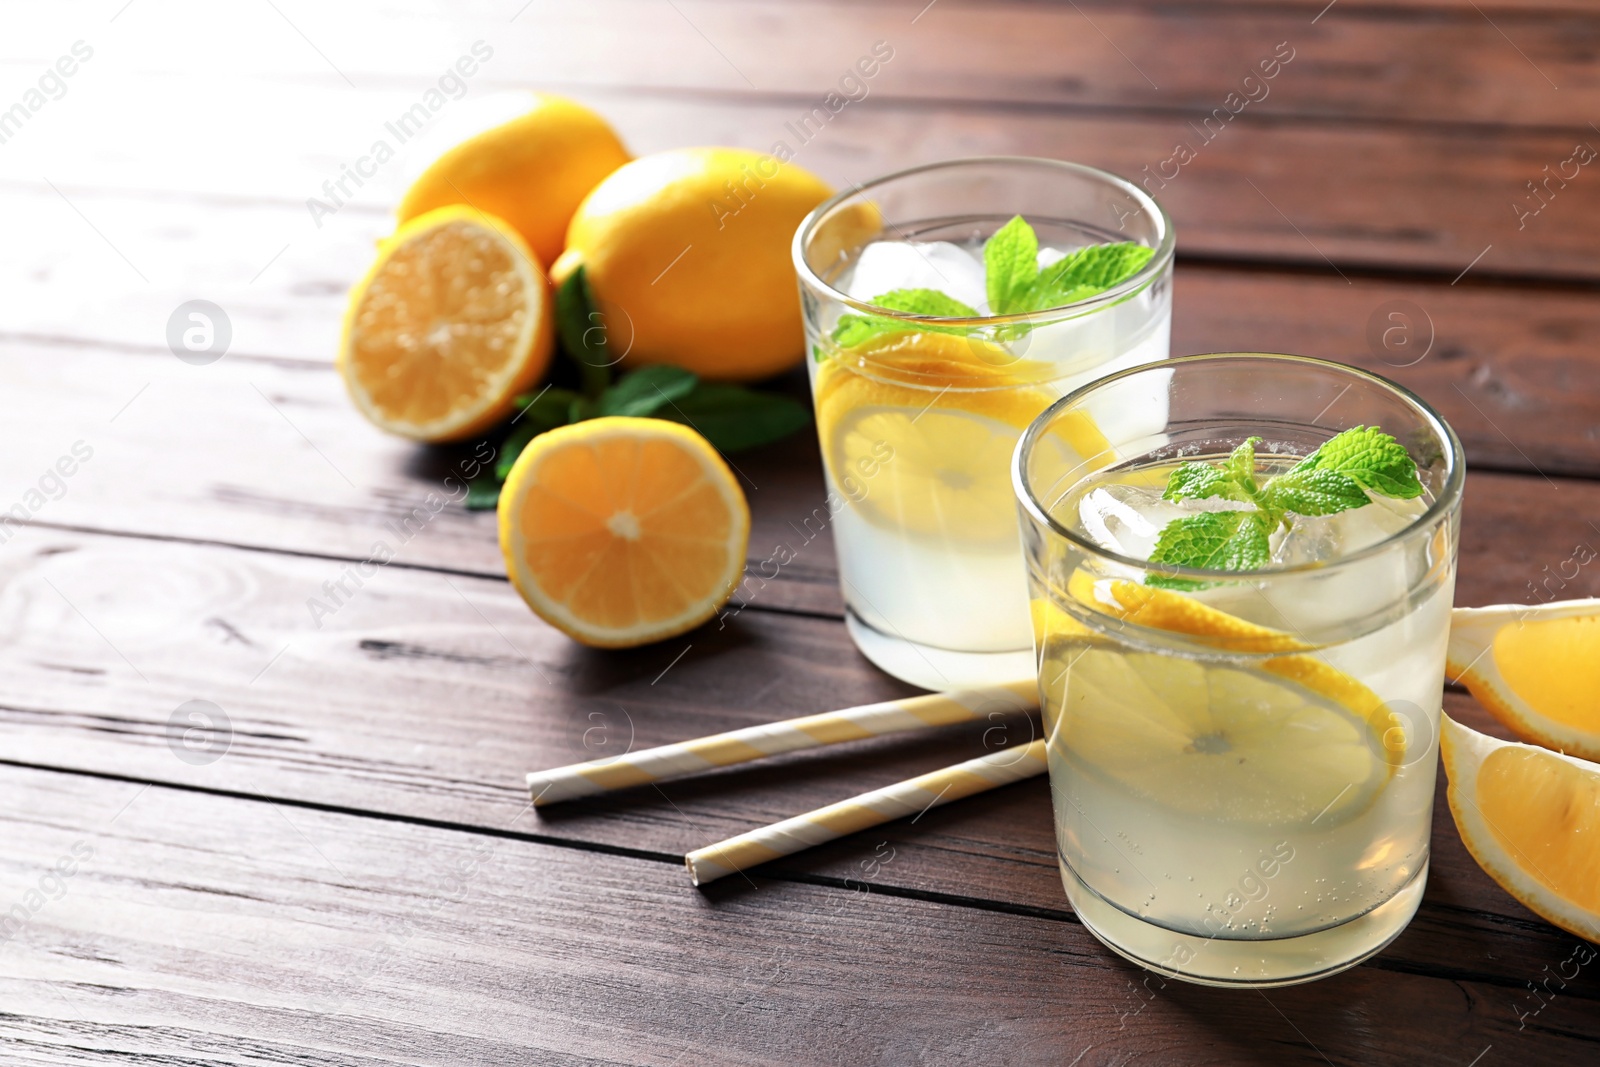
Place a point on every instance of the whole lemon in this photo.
(687, 255)
(528, 158)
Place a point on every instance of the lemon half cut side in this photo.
(450, 324)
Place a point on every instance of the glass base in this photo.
(937, 668)
(1258, 964)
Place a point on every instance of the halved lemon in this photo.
(622, 531)
(1535, 667)
(449, 325)
(935, 418)
(1531, 818)
(1290, 742)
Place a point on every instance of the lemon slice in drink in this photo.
(1289, 743)
(935, 418)
(1276, 741)
(1162, 609)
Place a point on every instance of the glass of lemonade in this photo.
(920, 399)
(1242, 755)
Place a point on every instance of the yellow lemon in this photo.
(621, 531)
(1536, 668)
(687, 255)
(1531, 819)
(532, 168)
(935, 418)
(449, 325)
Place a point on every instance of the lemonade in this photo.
(925, 376)
(1241, 657)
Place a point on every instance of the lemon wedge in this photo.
(1536, 668)
(1531, 818)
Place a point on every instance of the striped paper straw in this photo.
(869, 809)
(790, 735)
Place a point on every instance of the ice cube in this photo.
(949, 268)
(1323, 538)
(1048, 255)
(1127, 519)
(1359, 588)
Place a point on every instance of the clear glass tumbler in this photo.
(1241, 763)
(918, 420)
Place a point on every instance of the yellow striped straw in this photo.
(757, 742)
(737, 854)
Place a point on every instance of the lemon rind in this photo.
(1464, 751)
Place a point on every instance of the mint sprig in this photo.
(1013, 283)
(1338, 476)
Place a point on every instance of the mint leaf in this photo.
(734, 418)
(1242, 464)
(1370, 458)
(582, 332)
(1081, 274)
(544, 404)
(1197, 481)
(646, 390)
(854, 329)
(544, 411)
(1214, 540)
(1314, 492)
(925, 302)
(1232, 479)
(1011, 264)
(483, 492)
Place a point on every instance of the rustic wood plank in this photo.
(1451, 63)
(197, 926)
(1358, 195)
(428, 696)
(1511, 368)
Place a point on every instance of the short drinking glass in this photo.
(1241, 760)
(918, 412)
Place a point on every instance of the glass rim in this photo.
(1446, 501)
(1149, 272)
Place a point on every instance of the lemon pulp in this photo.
(1554, 665)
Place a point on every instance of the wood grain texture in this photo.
(429, 696)
(1432, 198)
(345, 868)
(267, 933)
(1448, 63)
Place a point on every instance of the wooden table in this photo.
(343, 867)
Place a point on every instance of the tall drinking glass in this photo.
(918, 414)
(1241, 763)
